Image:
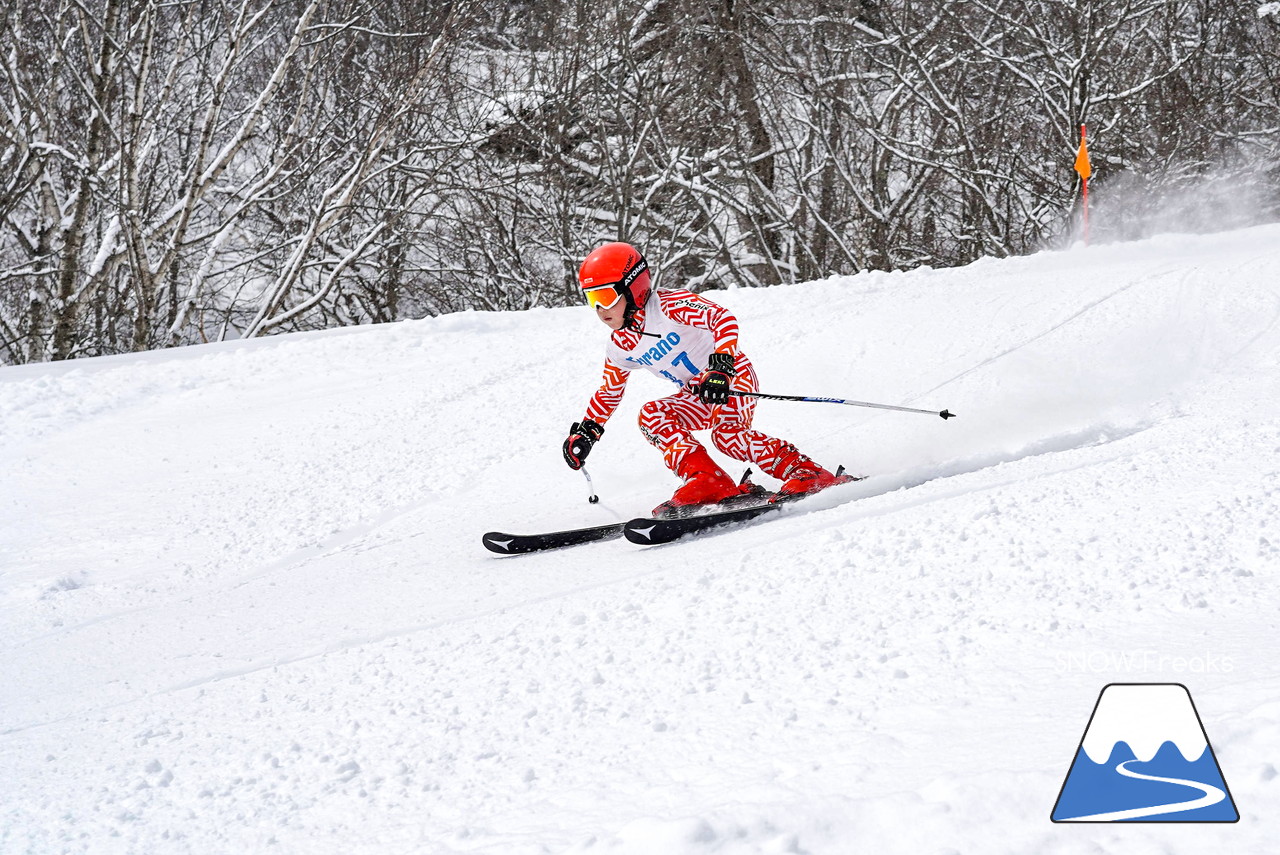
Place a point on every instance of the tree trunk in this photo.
(68, 310)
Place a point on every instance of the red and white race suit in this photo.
(673, 336)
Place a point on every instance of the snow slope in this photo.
(244, 606)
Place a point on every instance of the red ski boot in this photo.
(705, 483)
(807, 477)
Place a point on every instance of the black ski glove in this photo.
(582, 435)
(714, 388)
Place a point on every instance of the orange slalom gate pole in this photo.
(1085, 170)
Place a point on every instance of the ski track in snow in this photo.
(1209, 795)
(245, 607)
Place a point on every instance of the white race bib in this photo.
(668, 349)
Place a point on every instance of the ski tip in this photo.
(496, 541)
(640, 531)
(947, 414)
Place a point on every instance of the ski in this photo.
(648, 531)
(518, 544)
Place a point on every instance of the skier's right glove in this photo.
(582, 435)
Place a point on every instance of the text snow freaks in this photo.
(1142, 661)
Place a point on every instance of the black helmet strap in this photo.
(628, 279)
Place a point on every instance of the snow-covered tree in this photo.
(188, 171)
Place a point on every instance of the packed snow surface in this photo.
(244, 605)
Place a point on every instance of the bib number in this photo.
(680, 360)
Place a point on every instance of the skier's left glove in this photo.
(714, 388)
(582, 435)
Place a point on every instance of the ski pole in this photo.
(593, 498)
(946, 414)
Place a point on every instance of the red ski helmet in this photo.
(612, 271)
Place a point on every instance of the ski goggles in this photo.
(604, 296)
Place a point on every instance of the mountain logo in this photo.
(1144, 757)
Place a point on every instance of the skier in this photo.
(693, 342)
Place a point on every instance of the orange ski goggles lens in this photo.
(604, 296)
